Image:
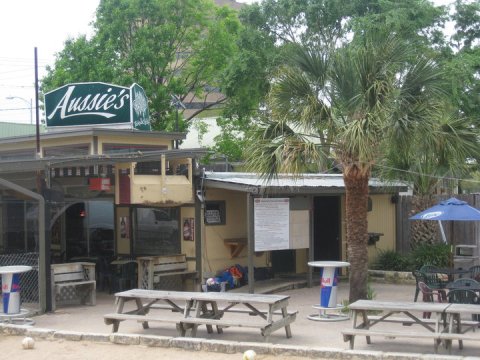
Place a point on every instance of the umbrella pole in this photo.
(444, 238)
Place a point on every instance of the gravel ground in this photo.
(72, 350)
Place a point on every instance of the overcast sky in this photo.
(45, 24)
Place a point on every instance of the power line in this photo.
(15, 109)
(428, 175)
(16, 86)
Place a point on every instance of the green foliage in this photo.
(438, 255)
(169, 47)
(424, 254)
(390, 260)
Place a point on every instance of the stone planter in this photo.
(391, 277)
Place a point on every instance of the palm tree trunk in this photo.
(356, 188)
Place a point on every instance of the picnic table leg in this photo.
(288, 331)
(459, 330)
(217, 315)
(182, 327)
(199, 305)
(366, 324)
(141, 311)
(204, 311)
(119, 303)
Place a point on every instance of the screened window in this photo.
(215, 213)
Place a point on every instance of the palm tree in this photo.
(349, 103)
(426, 164)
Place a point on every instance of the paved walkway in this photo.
(310, 338)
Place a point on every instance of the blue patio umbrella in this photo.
(451, 209)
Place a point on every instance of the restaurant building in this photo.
(99, 184)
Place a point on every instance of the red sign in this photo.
(99, 184)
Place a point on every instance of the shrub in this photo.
(391, 260)
(431, 254)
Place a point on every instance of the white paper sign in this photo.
(272, 224)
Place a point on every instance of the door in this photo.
(326, 230)
(283, 261)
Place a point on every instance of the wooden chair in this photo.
(429, 295)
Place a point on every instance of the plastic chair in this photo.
(475, 272)
(429, 295)
(430, 279)
(433, 278)
(419, 276)
(464, 282)
(460, 296)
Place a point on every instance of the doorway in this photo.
(326, 230)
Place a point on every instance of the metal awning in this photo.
(29, 165)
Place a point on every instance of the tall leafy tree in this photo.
(350, 102)
(272, 26)
(169, 47)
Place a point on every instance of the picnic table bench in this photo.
(195, 308)
(446, 323)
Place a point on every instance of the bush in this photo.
(437, 255)
(390, 260)
(426, 254)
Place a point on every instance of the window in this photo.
(215, 213)
(156, 231)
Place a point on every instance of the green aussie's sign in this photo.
(97, 103)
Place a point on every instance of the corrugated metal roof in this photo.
(305, 183)
(93, 131)
(8, 129)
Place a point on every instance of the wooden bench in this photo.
(73, 283)
(409, 322)
(152, 268)
(349, 335)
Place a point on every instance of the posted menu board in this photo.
(272, 224)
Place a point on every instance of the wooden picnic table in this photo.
(193, 309)
(445, 324)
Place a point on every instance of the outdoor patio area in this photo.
(305, 333)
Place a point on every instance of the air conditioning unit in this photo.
(465, 256)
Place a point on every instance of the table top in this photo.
(14, 269)
(398, 306)
(328, 263)
(203, 296)
(463, 309)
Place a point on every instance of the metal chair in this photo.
(430, 294)
(475, 272)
